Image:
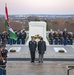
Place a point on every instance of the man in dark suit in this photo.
(32, 48)
(41, 49)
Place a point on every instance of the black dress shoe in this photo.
(32, 61)
(39, 62)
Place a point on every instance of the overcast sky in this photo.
(38, 6)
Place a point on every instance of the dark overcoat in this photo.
(41, 47)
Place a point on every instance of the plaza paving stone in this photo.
(46, 68)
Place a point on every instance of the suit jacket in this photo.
(32, 45)
(41, 47)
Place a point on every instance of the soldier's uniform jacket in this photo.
(50, 35)
(23, 36)
(65, 34)
(3, 35)
(32, 45)
(19, 35)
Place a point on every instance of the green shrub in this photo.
(12, 50)
(61, 51)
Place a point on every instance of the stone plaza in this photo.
(54, 63)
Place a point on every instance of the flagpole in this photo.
(6, 18)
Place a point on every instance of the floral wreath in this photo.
(37, 36)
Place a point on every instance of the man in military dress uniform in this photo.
(65, 36)
(19, 37)
(32, 48)
(3, 37)
(55, 35)
(70, 37)
(51, 38)
(60, 36)
(23, 37)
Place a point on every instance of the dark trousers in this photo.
(14, 42)
(2, 71)
(23, 41)
(71, 41)
(32, 56)
(18, 41)
(10, 41)
(2, 40)
(56, 41)
(51, 41)
(65, 41)
(61, 42)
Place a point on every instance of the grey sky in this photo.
(38, 6)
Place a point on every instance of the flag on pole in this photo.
(12, 33)
(10, 30)
(6, 13)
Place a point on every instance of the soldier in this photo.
(10, 41)
(2, 36)
(23, 37)
(51, 38)
(60, 38)
(7, 37)
(41, 49)
(70, 37)
(19, 37)
(65, 36)
(56, 37)
(32, 48)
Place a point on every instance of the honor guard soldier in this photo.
(65, 36)
(51, 38)
(19, 37)
(56, 37)
(23, 36)
(60, 38)
(3, 36)
(70, 37)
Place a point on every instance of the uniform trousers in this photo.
(32, 56)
